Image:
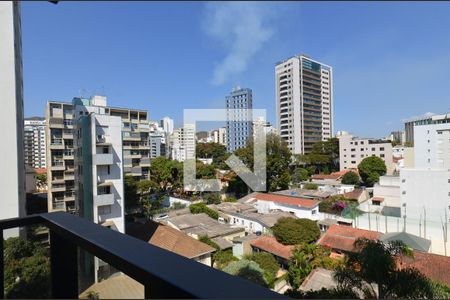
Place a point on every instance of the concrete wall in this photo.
(265, 207)
(12, 203)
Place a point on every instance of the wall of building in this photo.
(11, 115)
(352, 151)
(238, 132)
(265, 207)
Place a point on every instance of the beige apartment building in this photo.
(60, 129)
(353, 150)
(304, 102)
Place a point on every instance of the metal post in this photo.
(2, 267)
(64, 267)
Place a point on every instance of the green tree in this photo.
(299, 175)
(27, 269)
(237, 186)
(370, 169)
(166, 174)
(375, 262)
(278, 158)
(199, 208)
(247, 269)
(205, 239)
(268, 263)
(222, 258)
(310, 186)
(130, 191)
(306, 257)
(350, 178)
(216, 151)
(290, 231)
(212, 198)
(334, 293)
(230, 199)
(204, 171)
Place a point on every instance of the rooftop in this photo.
(319, 278)
(355, 194)
(267, 220)
(271, 245)
(436, 267)
(295, 201)
(201, 224)
(343, 237)
(413, 241)
(170, 239)
(303, 193)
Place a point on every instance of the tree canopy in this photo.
(350, 178)
(290, 231)
(375, 262)
(278, 158)
(247, 269)
(216, 151)
(199, 208)
(370, 169)
(268, 263)
(27, 269)
(324, 157)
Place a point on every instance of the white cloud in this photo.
(242, 28)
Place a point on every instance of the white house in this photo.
(299, 207)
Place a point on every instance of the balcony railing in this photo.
(164, 274)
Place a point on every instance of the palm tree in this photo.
(373, 271)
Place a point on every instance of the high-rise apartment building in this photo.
(167, 124)
(12, 203)
(220, 136)
(304, 102)
(239, 119)
(182, 143)
(60, 118)
(157, 140)
(34, 142)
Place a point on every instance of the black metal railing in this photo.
(164, 274)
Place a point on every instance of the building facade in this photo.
(304, 102)
(182, 143)
(34, 140)
(239, 124)
(220, 136)
(426, 119)
(353, 150)
(264, 125)
(167, 125)
(11, 115)
(60, 118)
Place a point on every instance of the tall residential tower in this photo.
(238, 131)
(304, 102)
(34, 140)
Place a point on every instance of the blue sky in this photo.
(391, 60)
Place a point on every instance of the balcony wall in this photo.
(102, 159)
(105, 199)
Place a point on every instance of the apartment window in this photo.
(449, 181)
(105, 150)
(404, 193)
(356, 143)
(362, 155)
(373, 149)
(362, 149)
(104, 210)
(353, 162)
(353, 149)
(381, 148)
(109, 170)
(403, 180)
(353, 155)
(381, 155)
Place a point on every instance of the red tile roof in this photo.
(355, 194)
(308, 203)
(343, 237)
(271, 245)
(326, 176)
(178, 242)
(436, 267)
(378, 199)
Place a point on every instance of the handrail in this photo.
(163, 273)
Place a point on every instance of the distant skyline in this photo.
(391, 60)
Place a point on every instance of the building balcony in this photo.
(57, 166)
(57, 179)
(69, 176)
(102, 159)
(105, 199)
(161, 272)
(58, 205)
(145, 162)
(58, 187)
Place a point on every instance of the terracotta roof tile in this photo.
(176, 241)
(308, 203)
(436, 267)
(271, 245)
(343, 237)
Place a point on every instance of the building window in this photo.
(104, 210)
(381, 155)
(373, 149)
(381, 148)
(404, 193)
(403, 180)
